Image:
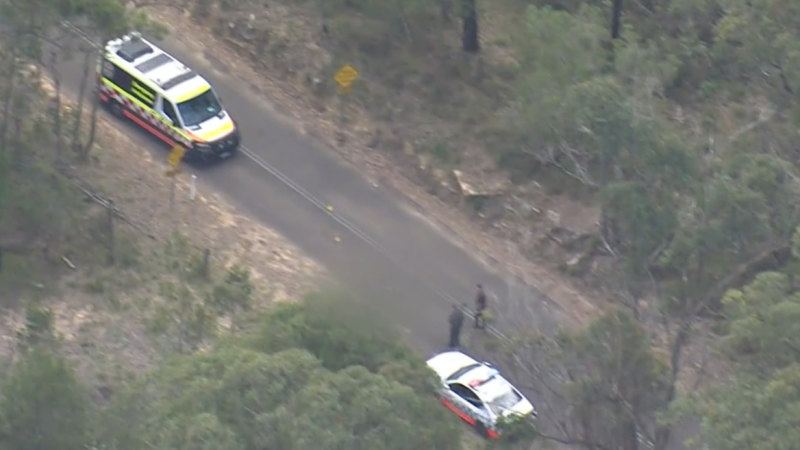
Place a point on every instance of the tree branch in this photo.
(774, 251)
(573, 442)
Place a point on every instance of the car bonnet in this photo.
(213, 128)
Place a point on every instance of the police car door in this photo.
(468, 402)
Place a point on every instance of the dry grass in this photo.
(103, 314)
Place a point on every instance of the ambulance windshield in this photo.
(199, 109)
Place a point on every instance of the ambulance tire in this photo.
(116, 108)
(480, 428)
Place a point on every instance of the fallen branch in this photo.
(658, 252)
(775, 252)
(554, 238)
(606, 245)
(68, 262)
(764, 116)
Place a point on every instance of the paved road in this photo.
(388, 254)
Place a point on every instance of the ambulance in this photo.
(140, 82)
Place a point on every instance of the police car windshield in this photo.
(199, 109)
(504, 402)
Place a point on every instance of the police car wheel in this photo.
(116, 108)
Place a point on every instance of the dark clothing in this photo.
(480, 300)
(456, 320)
(480, 321)
(454, 342)
(480, 307)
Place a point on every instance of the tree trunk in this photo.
(784, 80)
(9, 94)
(631, 436)
(445, 8)
(87, 148)
(586, 428)
(663, 432)
(76, 129)
(470, 40)
(16, 140)
(616, 18)
(57, 110)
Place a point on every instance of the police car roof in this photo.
(477, 375)
(446, 364)
(493, 387)
(143, 58)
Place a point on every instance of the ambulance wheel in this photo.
(116, 108)
(481, 430)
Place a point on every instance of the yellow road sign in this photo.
(346, 76)
(175, 155)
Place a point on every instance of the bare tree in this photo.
(470, 40)
(76, 128)
(445, 7)
(53, 67)
(87, 147)
(11, 77)
(616, 18)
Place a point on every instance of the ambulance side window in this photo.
(128, 84)
(143, 93)
(107, 68)
(121, 79)
(169, 111)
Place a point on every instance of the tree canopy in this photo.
(299, 378)
(43, 405)
(756, 405)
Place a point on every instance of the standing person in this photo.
(480, 308)
(456, 320)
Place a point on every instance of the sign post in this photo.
(174, 161)
(193, 188)
(172, 195)
(344, 77)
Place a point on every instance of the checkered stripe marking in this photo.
(111, 92)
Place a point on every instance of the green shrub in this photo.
(235, 292)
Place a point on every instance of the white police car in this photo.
(477, 393)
